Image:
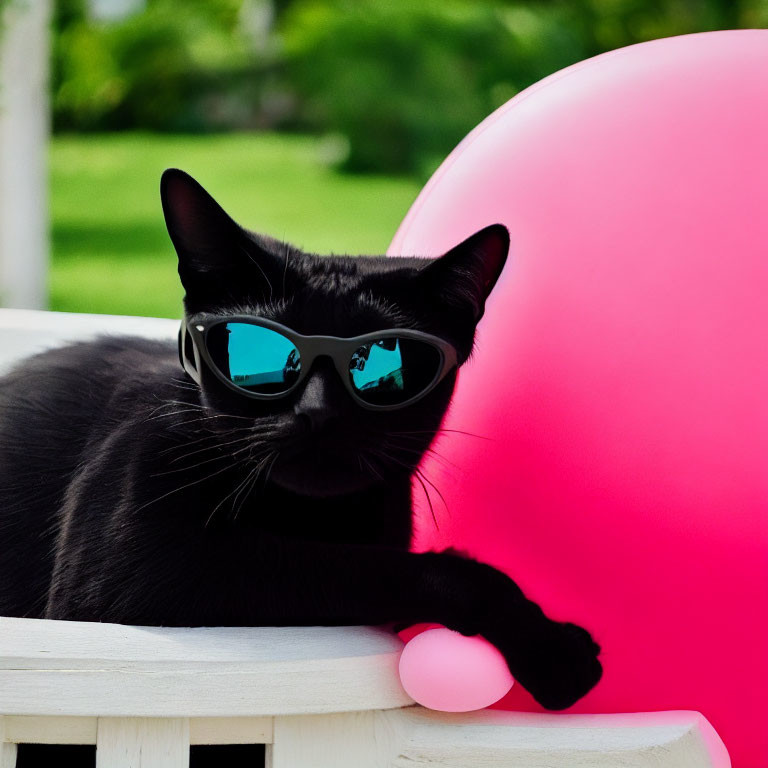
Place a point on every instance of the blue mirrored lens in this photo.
(253, 357)
(392, 370)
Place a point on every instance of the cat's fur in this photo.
(129, 494)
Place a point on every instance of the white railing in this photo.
(318, 697)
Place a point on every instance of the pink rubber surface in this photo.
(621, 370)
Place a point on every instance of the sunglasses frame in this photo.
(338, 349)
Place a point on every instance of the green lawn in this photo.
(111, 252)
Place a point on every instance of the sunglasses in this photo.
(264, 360)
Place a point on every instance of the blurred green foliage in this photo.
(189, 67)
(400, 82)
(111, 251)
(405, 81)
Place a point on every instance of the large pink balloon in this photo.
(621, 370)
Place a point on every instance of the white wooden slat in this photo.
(323, 741)
(29, 729)
(7, 749)
(7, 755)
(230, 730)
(50, 730)
(90, 669)
(142, 743)
(414, 737)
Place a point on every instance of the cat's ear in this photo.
(464, 276)
(203, 234)
(214, 252)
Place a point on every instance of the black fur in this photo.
(129, 494)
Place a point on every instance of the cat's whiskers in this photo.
(271, 459)
(244, 438)
(170, 413)
(253, 439)
(264, 274)
(164, 403)
(429, 500)
(285, 269)
(248, 448)
(252, 474)
(181, 384)
(185, 403)
(420, 473)
(271, 467)
(235, 490)
(188, 422)
(441, 431)
(247, 486)
(187, 485)
(370, 466)
(186, 407)
(421, 478)
(209, 436)
(389, 443)
(193, 466)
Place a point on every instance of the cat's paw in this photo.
(555, 662)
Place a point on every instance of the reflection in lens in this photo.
(253, 357)
(393, 370)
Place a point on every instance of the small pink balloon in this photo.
(445, 670)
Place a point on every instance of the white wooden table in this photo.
(318, 697)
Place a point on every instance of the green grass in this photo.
(111, 252)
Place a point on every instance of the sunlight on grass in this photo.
(111, 252)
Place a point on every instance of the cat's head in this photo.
(325, 443)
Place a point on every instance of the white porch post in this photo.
(24, 127)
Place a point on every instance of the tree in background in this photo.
(405, 81)
(170, 67)
(401, 82)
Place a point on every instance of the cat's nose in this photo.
(318, 403)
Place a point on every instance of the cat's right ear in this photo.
(213, 249)
(201, 231)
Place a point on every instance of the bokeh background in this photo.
(316, 121)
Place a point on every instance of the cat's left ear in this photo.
(464, 276)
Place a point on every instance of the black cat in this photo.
(131, 493)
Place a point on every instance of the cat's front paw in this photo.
(555, 662)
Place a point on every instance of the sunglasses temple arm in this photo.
(451, 361)
(186, 364)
